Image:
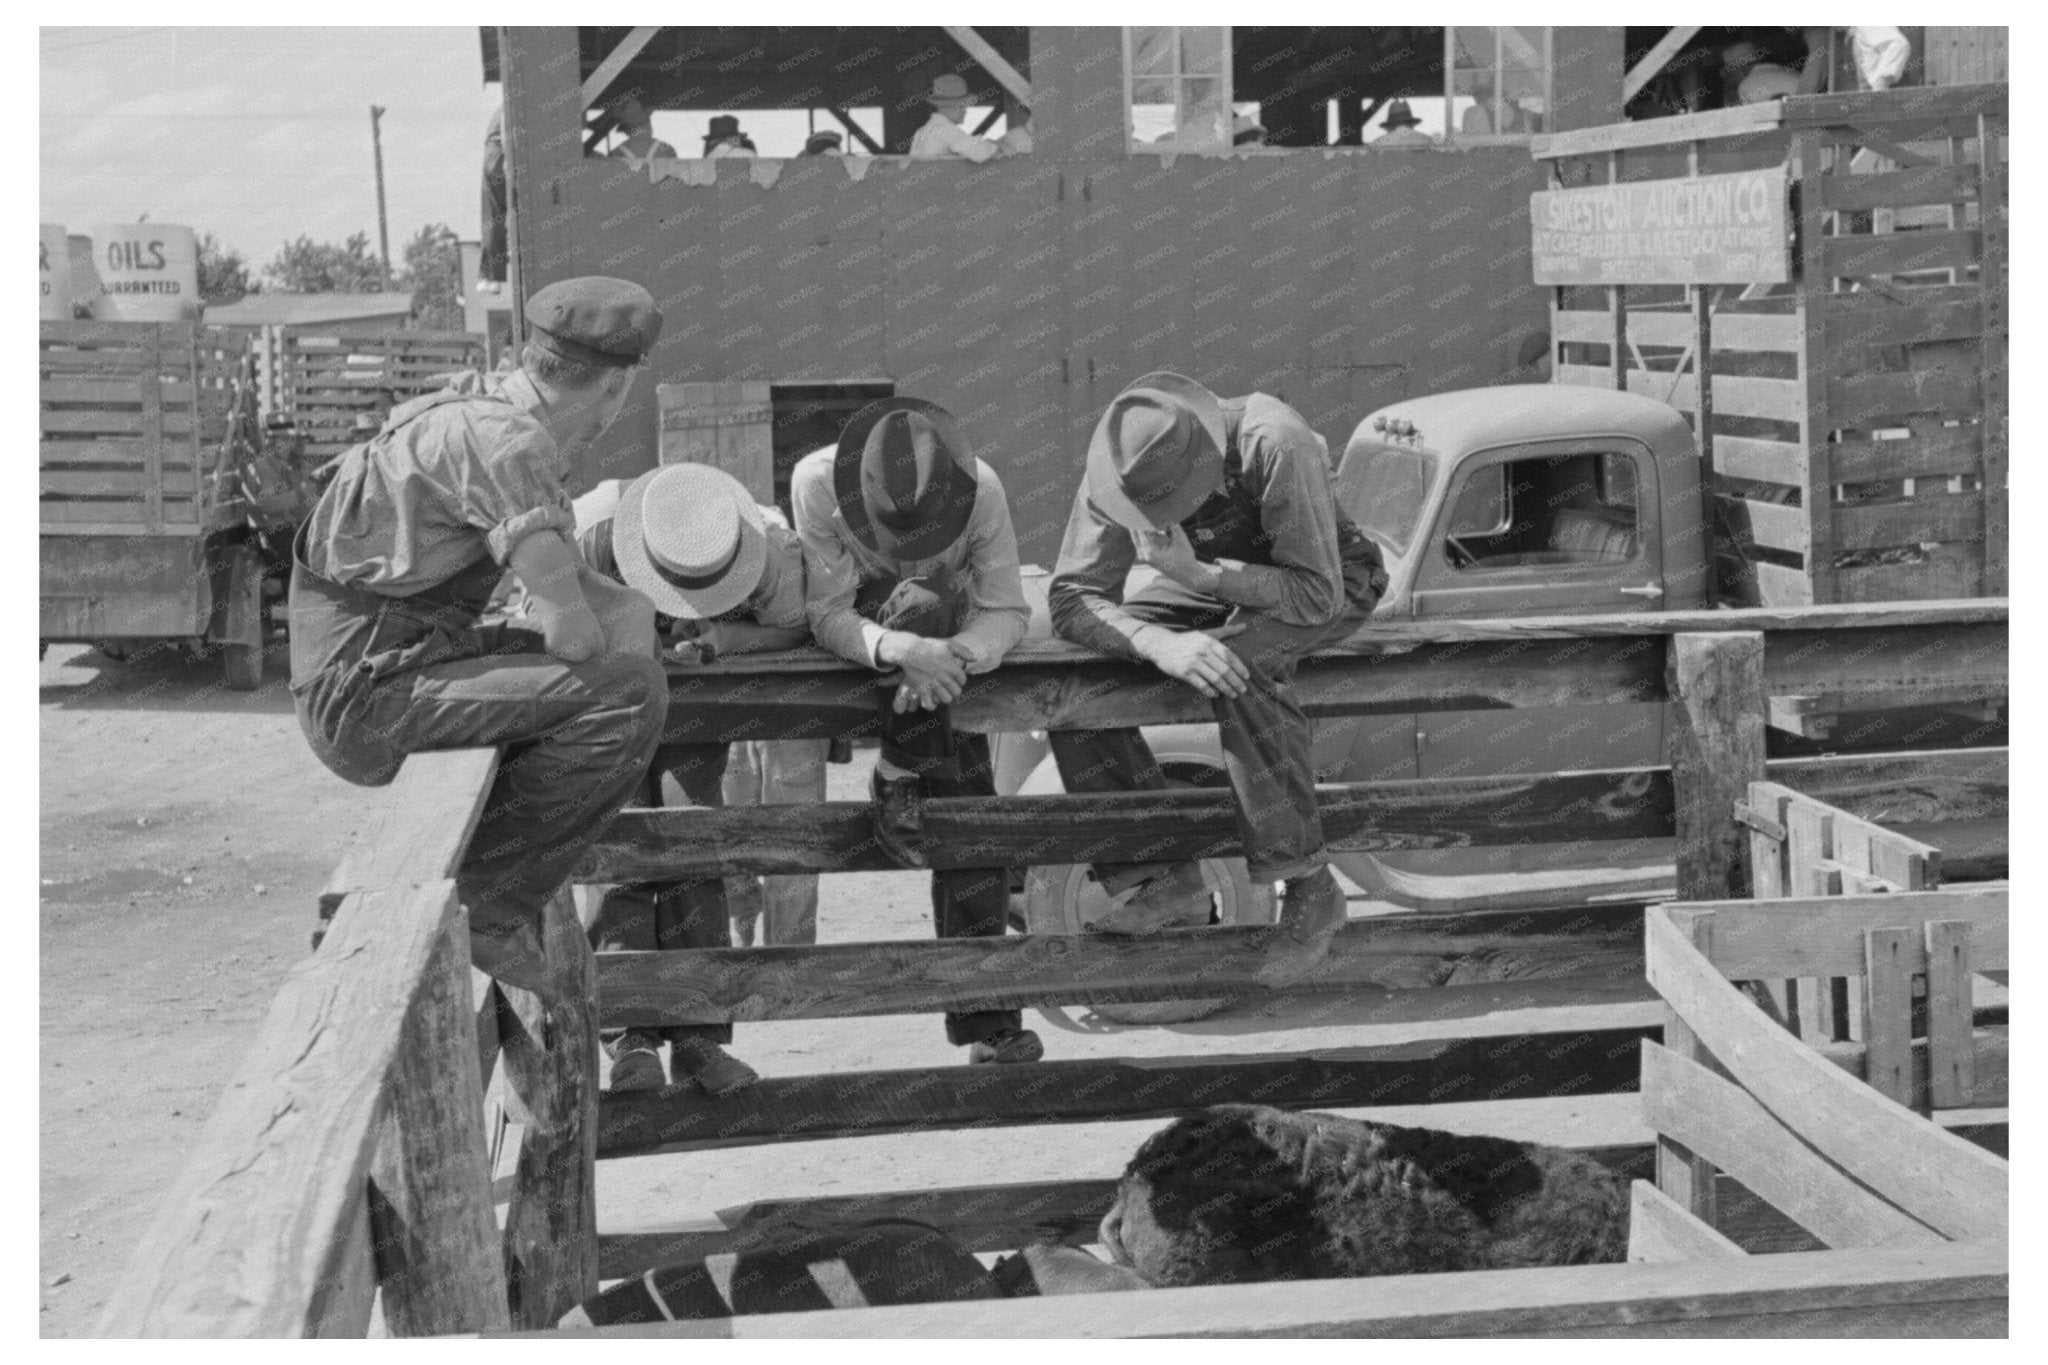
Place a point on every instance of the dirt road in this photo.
(185, 833)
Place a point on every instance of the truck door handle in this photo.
(1649, 591)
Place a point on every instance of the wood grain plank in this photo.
(1989, 1050)
(807, 1108)
(1890, 957)
(260, 1218)
(1715, 681)
(1823, 936)
(1899, 252)
(1885, 399)
(1759, 460)
(1930, 450)
(828, 981)
(1951, 1048)
(418, 832)
(1931, 1174)
(343, 1306)
(1662, 1229)
(1894, 189)
(1721, 1120)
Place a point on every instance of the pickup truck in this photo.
(1518, 500)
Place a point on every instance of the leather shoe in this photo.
(897, 813)
(1312, 910)
(717, 1071)
(1002, 1049)
(1176, 898)
(636, 1065)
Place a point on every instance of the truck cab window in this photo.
(1544, 510)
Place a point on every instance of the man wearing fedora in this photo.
(397, 564)
(726, 577)
(1403, 129)
(1245, 564)
(912, 565)
(723, 138)
(943, 134)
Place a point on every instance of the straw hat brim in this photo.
(1205, 466)
(637, 566)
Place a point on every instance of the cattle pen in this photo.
(1816, 1028)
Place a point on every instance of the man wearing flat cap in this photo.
(911, 563)
(726, 576)
(393, 571)
(1244, 564)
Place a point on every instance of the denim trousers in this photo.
(1265, 734)
(968, 902)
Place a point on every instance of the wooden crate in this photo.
(727, 425)
(331, 381)
(132, 416)
(1854, 421)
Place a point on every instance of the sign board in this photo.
(149, 272)
(56, 258)
(1703, 229)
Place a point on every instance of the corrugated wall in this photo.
(1024, 293)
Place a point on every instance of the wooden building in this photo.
(1025, 291)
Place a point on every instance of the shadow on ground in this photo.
(158, 676)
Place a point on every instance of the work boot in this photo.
(1312, 910)
(1175, 898)
(898, 817)
(717, 1071)
(1010, 1045)
(636, 1062)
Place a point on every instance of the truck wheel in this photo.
(242, 667)
(242, 662)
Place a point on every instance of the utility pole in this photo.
(383, 228)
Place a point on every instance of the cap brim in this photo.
(1105, 484)
(926, 540)
(629, 548)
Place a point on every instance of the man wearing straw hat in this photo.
(726, 576)
(1246, 564)
(912, 565)
(943, 134)
(394, 570)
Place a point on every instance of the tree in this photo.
(310, 267)
(433, 271)
(223, 275)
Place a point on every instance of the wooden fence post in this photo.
(433, 1225)
(550, 1056)
(1716, 684)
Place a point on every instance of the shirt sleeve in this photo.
(957, 141)
(505, 484)
(782, 606)
(1087, 590)
(1304, 586)
(997, 613)
(831, 574)
(594, 543)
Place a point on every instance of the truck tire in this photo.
(242, 661)
(242, 667)
(1058, 900)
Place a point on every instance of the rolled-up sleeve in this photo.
(1087, 591)
(997, 613)
(506, 485)
(831, 574)
(1289, 475)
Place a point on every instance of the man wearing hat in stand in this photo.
(396, 565)
(1229, 506)
(726, 576)
(1403, 128)
(824, 142)
(943, 134)
(723, 138)
(911, 562)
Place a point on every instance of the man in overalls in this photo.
(911, 563)
(1229, 505)
(396, 565)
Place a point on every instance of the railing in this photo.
(353, 1151)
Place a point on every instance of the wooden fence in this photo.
(329, 382)
(353, 1150)
(1854, 421)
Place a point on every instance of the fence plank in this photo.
(801, 1108)
(1987, 1050)
(1951, 1049)
(258, 1225)
(1715, 681)
(1876, 525)
(837, 980)
(1929, 451)
(1894, 252)
(1823, 936)
(437, 1237)
(1662, 1229)
(550, 1054)
(1889, 958)
(1933, 1175)
(418, 831)
(1711, 1115)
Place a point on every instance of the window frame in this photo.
(1176, 147)
(1453, 133)
(1447, 573)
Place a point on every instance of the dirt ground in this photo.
(185, 833)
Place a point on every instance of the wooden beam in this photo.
(841, 980)
(1662, 1229)
(438, 1259)
(550, 1054)
(1716, 684)
(847, 1104)
(1827, 1293)
(257, 1232)
(1931, 1174)
(992, 61)
(1019, 831)
(615, 61)
(1655, 60)
(416, 833)
(1822, 935)
(860, 134)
